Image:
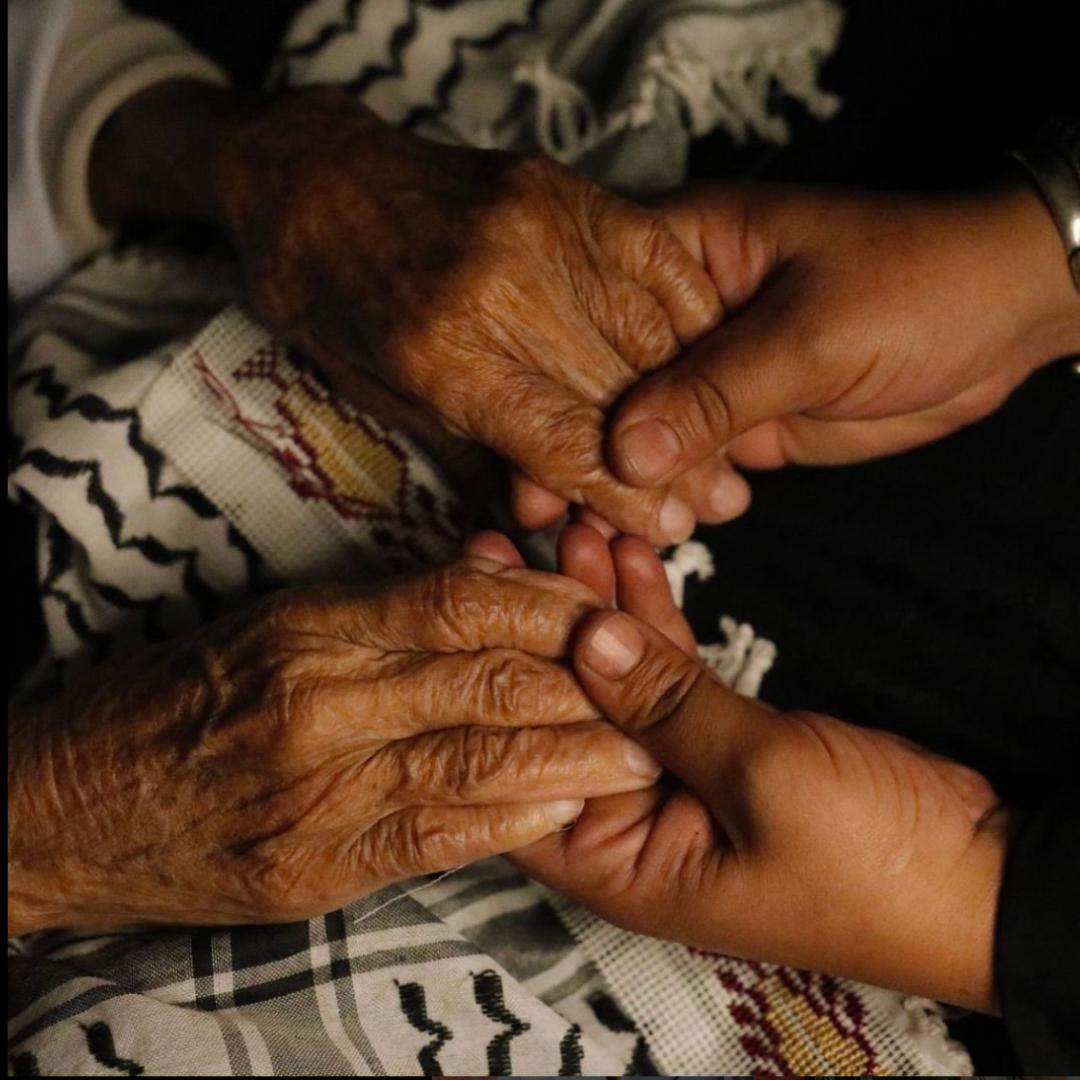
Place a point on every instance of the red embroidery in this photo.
(756, 989)
(293, 449)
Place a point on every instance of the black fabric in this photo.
(934, 593)
(1038, 946)
(935, 92)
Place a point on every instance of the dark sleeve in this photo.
(1038, 939)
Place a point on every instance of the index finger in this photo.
(470, 605)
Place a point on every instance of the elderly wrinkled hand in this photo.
(300, 755)
(508, 296)
(789, 837)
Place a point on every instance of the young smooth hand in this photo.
(858, 325)
(788, 837)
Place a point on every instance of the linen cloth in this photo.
(182, 462)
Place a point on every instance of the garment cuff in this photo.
(81, 231)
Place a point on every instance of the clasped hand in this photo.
(619, 357)
(321, 745)
(789, 837)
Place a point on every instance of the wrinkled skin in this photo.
(510, 298)
(788, 837)
(298, 756)
(854, 325)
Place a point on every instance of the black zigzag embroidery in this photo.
(258, 580)
(400, 38)
(414, 1006)
(488, 991)
(446, 81)
(59, 558)
(326, 33)
(99, 1042)
(59, 554)
(93, 408)
(76, 619)
(614, 1019)
(90, 407)
(570, 1052)
(152, 549)
(24, 1064)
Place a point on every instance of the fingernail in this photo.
(677, 520)
(641, 761)
(651, 448)
(615, 648)
(727, 499)
(564, 811)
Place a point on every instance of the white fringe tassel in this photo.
(729, 92)
(742, 660)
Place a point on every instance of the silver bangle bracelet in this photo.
(1052, 161)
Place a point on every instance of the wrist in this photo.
(154, 158)
(933, 935)
(1037, 276)
(271, 143)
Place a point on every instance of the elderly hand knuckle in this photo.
(257, 701)
(571, 435)
(456, 763)
(512, 685)
(411, 842)
(293, 698)
(482, 758)
(652, 331)
(658, 245)
(456, 598)
(398, 846)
